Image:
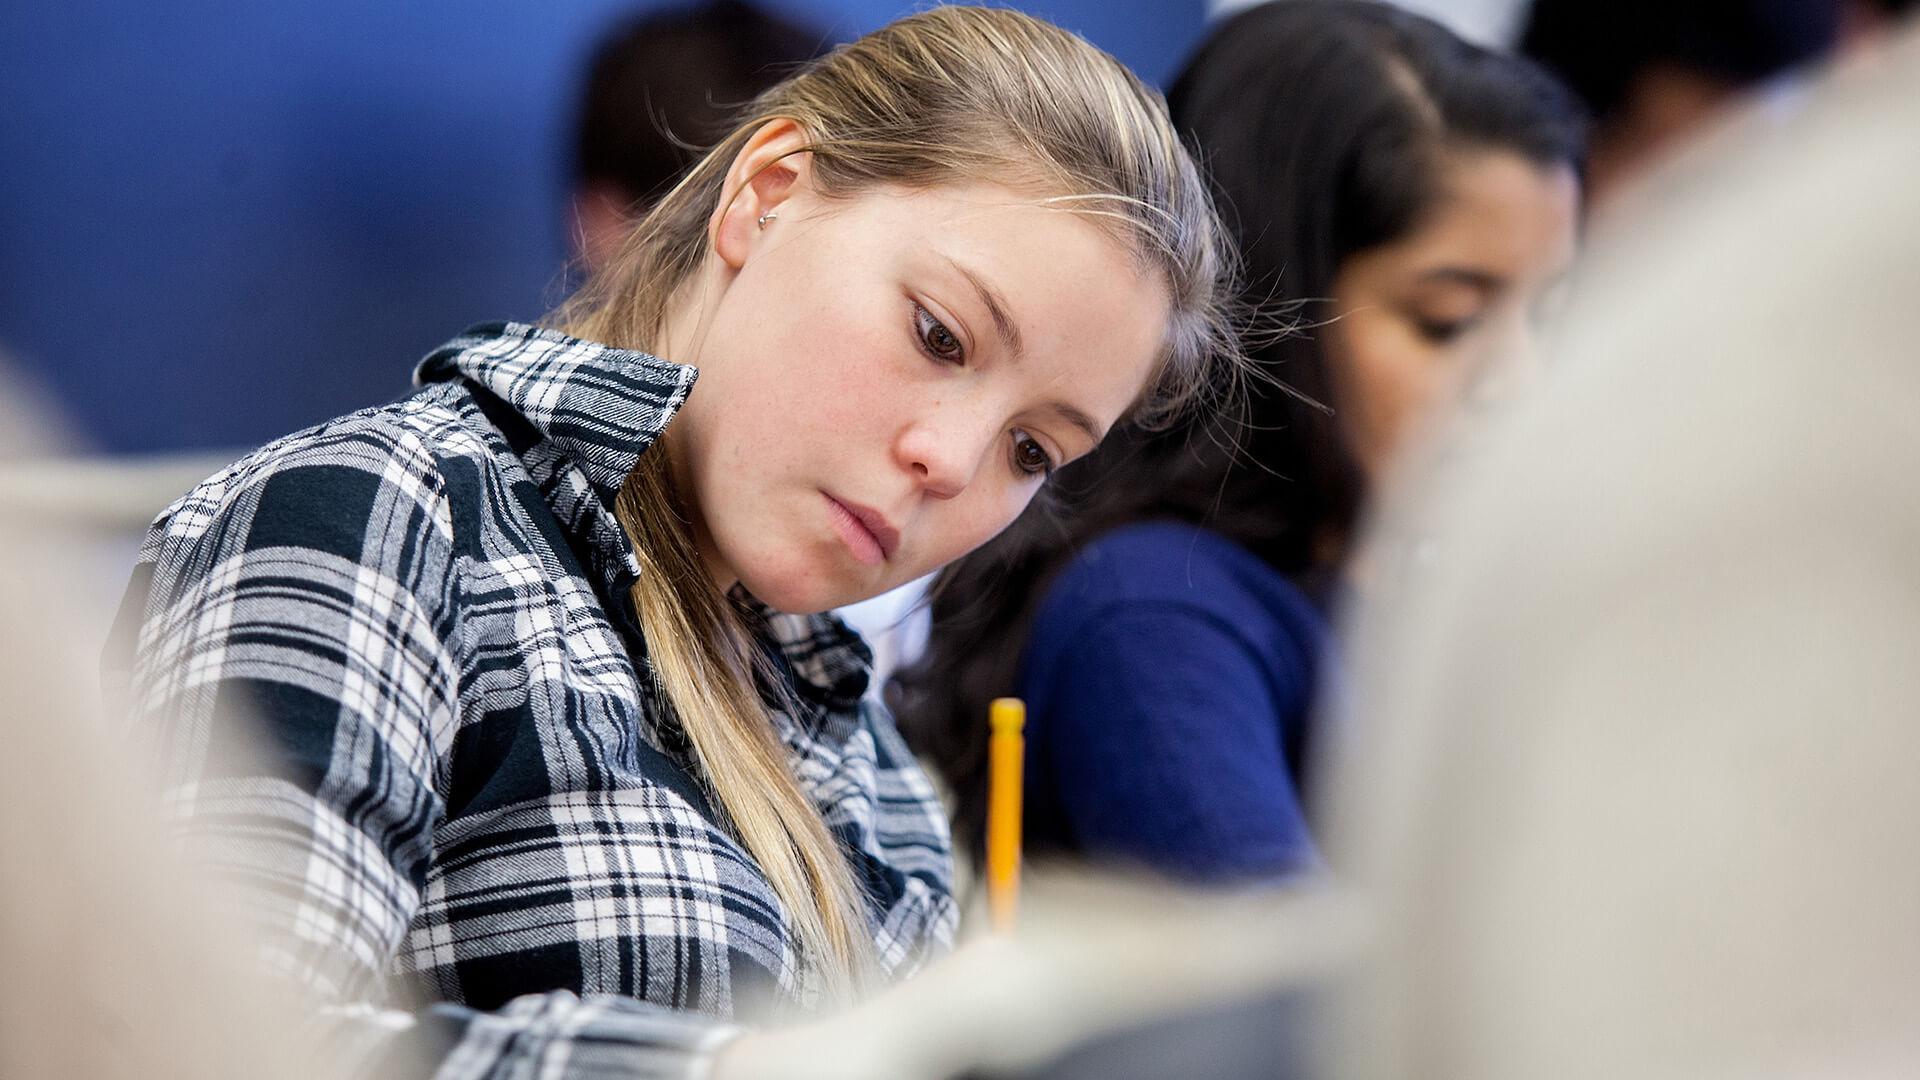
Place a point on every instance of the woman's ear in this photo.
(772, 166)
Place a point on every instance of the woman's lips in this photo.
(864, 530)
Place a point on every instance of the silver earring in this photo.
(768, 216)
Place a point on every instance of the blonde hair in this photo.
(948, 95)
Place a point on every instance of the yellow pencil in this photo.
(1007, 750)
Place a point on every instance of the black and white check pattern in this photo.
(464, 786)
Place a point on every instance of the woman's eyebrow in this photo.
(1010, 337)
(1475, 279)
(1077, 418)
(1009, 330)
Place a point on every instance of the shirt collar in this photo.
(828, 659)
(598, 406)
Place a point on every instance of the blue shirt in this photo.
(1168, 677)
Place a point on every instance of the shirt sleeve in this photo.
(297, 668)
(1164, 729)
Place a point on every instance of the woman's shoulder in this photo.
(323, 487)
(1171, 562)
(1165, 581)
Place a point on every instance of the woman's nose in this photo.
(943, 449)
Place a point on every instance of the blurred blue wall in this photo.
(220, 222)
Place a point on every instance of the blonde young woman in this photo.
(556, 736)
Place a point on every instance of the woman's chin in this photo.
(806, 590)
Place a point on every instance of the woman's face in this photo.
(887, 380)
(1412, 312)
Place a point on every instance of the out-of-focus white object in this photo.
(1632, 775)
(1092, 955)
(93, 509)
(115, 961)
(102, 494)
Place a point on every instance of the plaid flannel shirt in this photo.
(464, 786)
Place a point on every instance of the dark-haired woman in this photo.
(1169, 632)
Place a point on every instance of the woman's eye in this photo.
(939, 342)
(1029, 457)
(1442, 331)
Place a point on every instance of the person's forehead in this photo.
(1499, 212)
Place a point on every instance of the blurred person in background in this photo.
(1633, 795)
(1168, 632)
(1628, 791)
(660, 90)
(556, 733)
(1655, 74)
(1871, 23)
